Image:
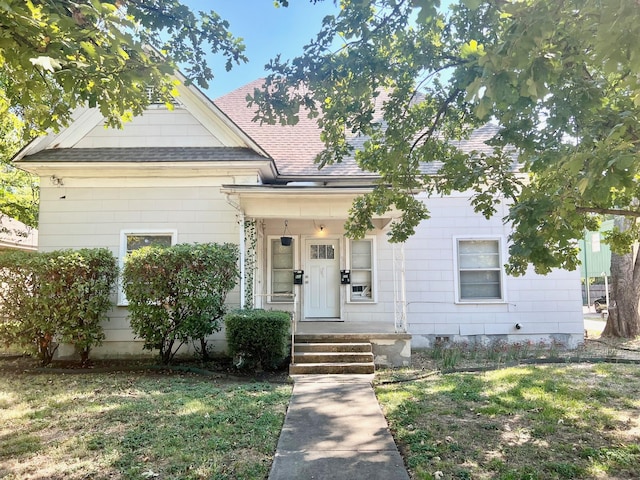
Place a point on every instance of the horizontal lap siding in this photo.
(92, 216)
(542, 305)
(155, 128)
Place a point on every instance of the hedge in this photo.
(178, 293)
(259, 337)
(55, 297)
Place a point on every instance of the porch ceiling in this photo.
(308, 202)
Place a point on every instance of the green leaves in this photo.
(56, 297)
(59, 55)
(177, 293)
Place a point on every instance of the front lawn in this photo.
(524, 423)
(137, 425)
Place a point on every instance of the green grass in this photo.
(521, 423)
(137, 425)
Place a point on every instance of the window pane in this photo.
(282, 256)
(282, 263)
(480, 261)
(313, 255)
(480, 284)
(478, 246)
(361, 254)
(330, 252)
(360, 285)
(135, 242)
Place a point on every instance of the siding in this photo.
(155, 128)
(546, 307)
(91, 215)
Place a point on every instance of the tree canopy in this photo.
(57, 55)
(561, 78)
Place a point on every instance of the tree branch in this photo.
(436, 121)
(609, 211)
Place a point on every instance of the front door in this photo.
(322, 279)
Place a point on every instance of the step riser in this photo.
(327, 369)
(327, 355)
(333, 347)
(340, 357)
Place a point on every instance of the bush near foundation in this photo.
(177, 294)
(258, 338)
(55, 297)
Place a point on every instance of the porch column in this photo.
(243, 269)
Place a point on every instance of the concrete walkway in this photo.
(335, 430)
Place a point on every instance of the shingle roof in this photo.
(146, 154)
(294, 148)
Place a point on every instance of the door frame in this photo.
(304, 239)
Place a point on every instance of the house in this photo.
(15, 235)
(204, 172)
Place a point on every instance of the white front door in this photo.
(322, 279)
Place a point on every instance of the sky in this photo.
(267, 31)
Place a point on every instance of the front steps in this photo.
(328, 354)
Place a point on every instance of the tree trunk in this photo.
(624, 312)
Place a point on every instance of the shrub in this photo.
(178, 293)
(260, 337)
(77, 289)
(53, 297)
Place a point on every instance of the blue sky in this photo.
(266, 30)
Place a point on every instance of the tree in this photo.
(19, 190)
(60, 54)
(560, 77)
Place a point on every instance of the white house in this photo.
(204, 172)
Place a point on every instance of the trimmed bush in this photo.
(54, 297)
(259, 337)
(177, 294)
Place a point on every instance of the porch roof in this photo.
(301, 201)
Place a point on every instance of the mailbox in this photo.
(297, 277)
(345, 277)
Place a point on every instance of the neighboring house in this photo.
(15, 235)
(204, 172)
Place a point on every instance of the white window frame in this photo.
(374, 271)
(456, 268)
(296, 247)
(122, 299)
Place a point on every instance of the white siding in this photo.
(83, 214)
(155, 128)
(546, 307)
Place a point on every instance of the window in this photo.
(479, 270)
(133, 240)
(362, 270)
(282, 260)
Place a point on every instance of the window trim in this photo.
(456, 270)
(374, 270)
(122, 300)
(296, 247)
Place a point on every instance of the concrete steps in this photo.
(339, 355)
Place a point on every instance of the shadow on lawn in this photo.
(136, 426)
(520, 423)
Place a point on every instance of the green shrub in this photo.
(260, 337)
(60, 296)
(77, 289)
(177, 294)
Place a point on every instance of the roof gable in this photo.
(195, 122)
